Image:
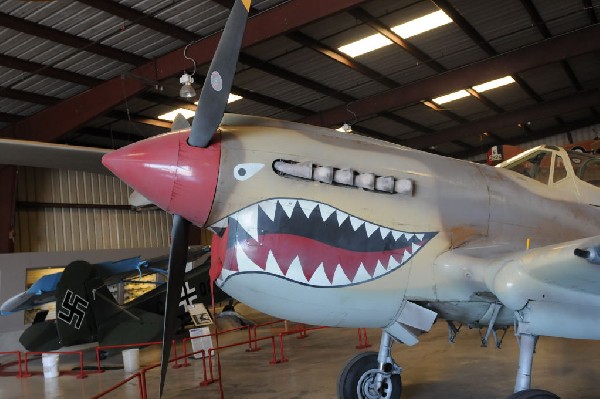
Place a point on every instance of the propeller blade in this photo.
(215, 92)
(177, 261)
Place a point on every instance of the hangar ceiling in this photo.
(100, 72)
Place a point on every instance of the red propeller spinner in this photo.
(177, 177)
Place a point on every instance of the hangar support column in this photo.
(8, 193)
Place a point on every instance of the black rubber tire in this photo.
(533, 394)
(353, 371)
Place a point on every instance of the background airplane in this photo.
(331, 229)
(87, 312)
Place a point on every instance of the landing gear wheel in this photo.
(533, 394)
(358, 379)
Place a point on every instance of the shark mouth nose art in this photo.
(309, 243)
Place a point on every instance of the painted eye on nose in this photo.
(244, 171)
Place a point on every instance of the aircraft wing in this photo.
(553, 290)
(49, 155)
(42, 291)
(61, 156)
(566, 272)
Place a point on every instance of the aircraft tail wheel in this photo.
(533, 394)
(358, 380)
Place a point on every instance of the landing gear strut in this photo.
(371, 375)
(523, 383)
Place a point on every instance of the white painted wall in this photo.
(76, 229)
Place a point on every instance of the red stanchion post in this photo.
(204, 382)
(211, 351)
(185, 355)
(140, 388)
(303, 332)
(174, 345)
(26, 367)
(81, 374)
(19, 361)
(20, 370)
(362, 333)
(274, 360)
(98, 368)
(283, 358)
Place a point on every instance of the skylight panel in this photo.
(406, 30)
(170, 116)
(451, 97)
(492, 84)
(422, 24)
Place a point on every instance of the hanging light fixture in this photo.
(187, 90)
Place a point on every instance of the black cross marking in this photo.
(187, 295)
(74, 306)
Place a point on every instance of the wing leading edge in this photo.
(553, 290)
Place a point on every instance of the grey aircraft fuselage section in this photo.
(453, 204)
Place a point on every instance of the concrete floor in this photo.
(433, 369)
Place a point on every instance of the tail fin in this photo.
(74, 317)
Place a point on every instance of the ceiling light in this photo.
(345, 128)
(451, 97)
(170, 116)
(186, 91)
(493, 84)
(406, 30)
(422, 24)
(368, 44)
(233, 98)
(187, 113)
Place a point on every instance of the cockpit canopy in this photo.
(549, 165)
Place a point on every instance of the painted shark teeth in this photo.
(318, 274)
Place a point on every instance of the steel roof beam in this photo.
(589, 7)
(525, 58)
(48, 71)
(141, 18)
(72, 113)
(421, 56)
(541, 26)
(34, 29)
(27, 96)
(545, 110)
(338, 56)
(384, 30)
(566, 129)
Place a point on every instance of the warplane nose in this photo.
(177, 177)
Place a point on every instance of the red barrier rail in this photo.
(256, 327)
(141, 344)
(302, 333)
(212, 350)
(363, 344)
(190, 339)
(80, 353)
(137, 375)
(18, 353)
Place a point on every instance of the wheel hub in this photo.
(367, 386)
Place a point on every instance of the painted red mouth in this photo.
(309, 243)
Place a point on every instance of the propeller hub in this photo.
(175, 176)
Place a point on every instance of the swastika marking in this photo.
(73, 309)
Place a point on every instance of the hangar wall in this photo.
(45, 222)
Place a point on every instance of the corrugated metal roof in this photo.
(505, 25)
